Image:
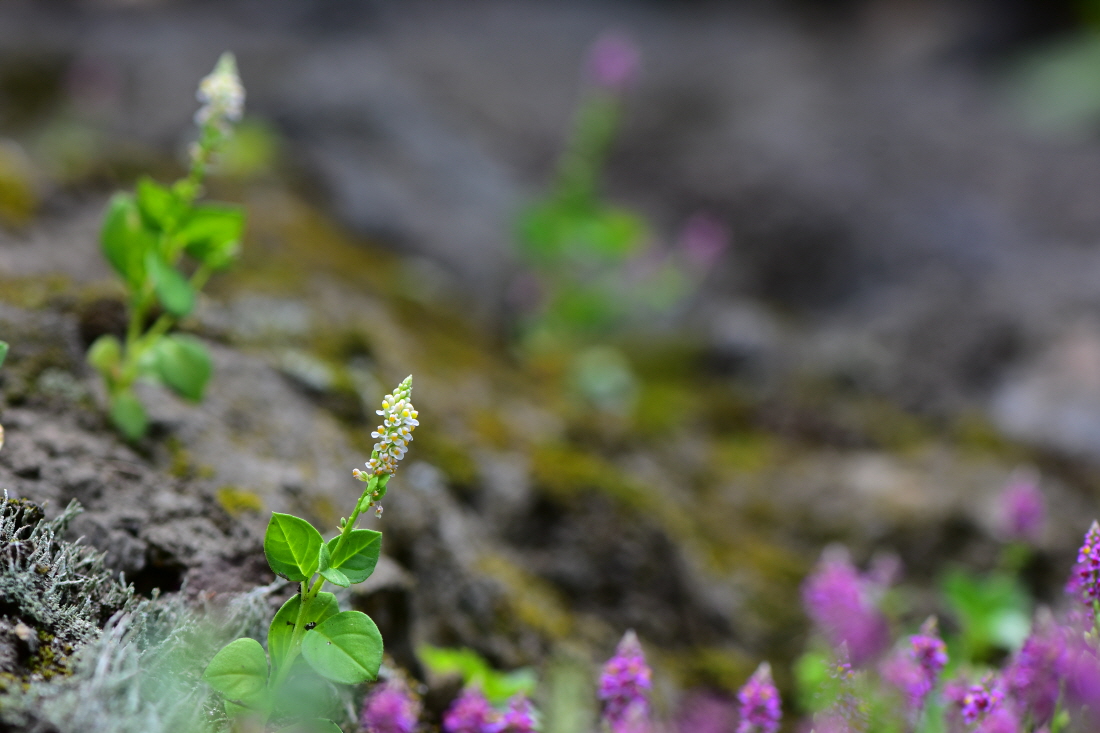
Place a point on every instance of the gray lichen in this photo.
(142, 674)
(55, 595)
(81, 654)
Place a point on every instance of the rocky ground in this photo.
(907, 314)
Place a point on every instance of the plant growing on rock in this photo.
(165, 244)
(310, 639)
(592, 268)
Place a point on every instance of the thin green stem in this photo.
(307, 594)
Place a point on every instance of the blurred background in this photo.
(846, 281)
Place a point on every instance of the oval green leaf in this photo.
(157, 204)
(3, 351)
(282, 626)
(346, 648)
(211, 234)
(128, 415)
(125, 240)
(171, 287)
(358, 556)
(239, 673)
(329, 573)
(184, 365)
(292, 547)
(105, 354)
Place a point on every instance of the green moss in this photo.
(50, 661)
(534, 602)
(974, 432)
(34, 293)
(663, 407)
(451, 457)
(747, 452)
(236, 501)
(567, 473)
(720, 668)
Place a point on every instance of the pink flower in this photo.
(613, 62)
(839, 600)
(760, 704)
(625, 684)
(390, 708)
(1023, 508)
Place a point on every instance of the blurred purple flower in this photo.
(1085, 580)
(625, 684)
(916, 669)
(390, 708)
(470, 713)
(977, 701)
(1001, 720)
(1081, 672)
(760, 704)
(613, 62)
(839, 601)
(1023, 508)
(519, 718)
(1033, 677)
(703, 239)
(706, 713)
(929, 650)
(901, 671)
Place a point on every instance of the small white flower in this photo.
(221, 94)
(394, 434)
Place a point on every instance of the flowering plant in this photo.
(591, 266)
(145, 236)
(310, 637)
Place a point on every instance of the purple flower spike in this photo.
(1086, 574)
(901, 671)
(470, 713)
(519, 718)
(613, 62)
(1001, 720)
(915, 668)
(978, 701)
(1033, 678)
(625, 684)
(1023, 507)
(760, 704)
(839, 601)
(1081, 672)
(390, 708)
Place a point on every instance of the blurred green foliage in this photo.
(476, 672)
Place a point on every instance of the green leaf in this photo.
(292, 547)
(183, 364)
(125, 240)
(105, 354)
(329, 573)
(128, 415)
(475, 671)
(282, 626)
(212, 233)
(3, 351)
(359, 554)
(346, 648)
(239, 673)
(158, 205)
(319, 725)
(172, 288)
